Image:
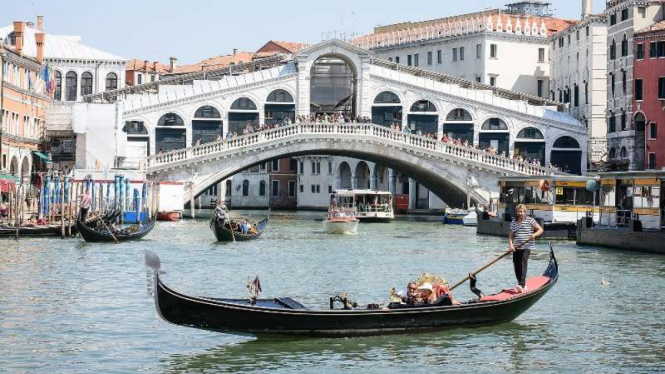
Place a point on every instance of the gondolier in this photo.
(523, 231)
(86, 202)
(221, 211)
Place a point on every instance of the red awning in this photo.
(6, 184)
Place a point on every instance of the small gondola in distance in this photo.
(285, 316)
(90, 234)
(223, 232)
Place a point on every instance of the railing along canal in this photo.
(348, 130)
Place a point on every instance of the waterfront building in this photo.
(274, 47)
(506, 49)
(208, 64)
(78, 70)
(649, 98)
(23, 100)
(578, 65)
(625, 140)
(139, 72)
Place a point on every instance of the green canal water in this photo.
(71, 307)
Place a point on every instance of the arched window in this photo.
(228, 187)
(459, 114)
(613, 50)
(207, 112)
(262, 188)
(386, 97)
(423, 106)
(530, 133)
(613, 153)
(494, 124)
(171, 119)
(135, 128)
(86, 83)
(624, 152)
(70, 86)
(624, 46)
(280, 96)
(243, 103)
(245, 187)
(57, 95)
(623, 120)
(111, 82)
(566, 142)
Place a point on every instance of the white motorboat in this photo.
(470, 219)
(344, 222)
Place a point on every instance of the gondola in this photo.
(54, 229)
(285, 316)
(223, 232)
(91, 234)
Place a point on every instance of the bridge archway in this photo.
(459, 125)
(387, 109)
(362, 176)
(334, 85)
(14, 168)
(423, 117)
(243, 113)
(207, 125)
(495, 133)
(170, 133)
(567, 154)
(345, 175)
(530, 143)
(279, 106)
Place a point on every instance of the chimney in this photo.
(39, 39)
(18, 36)
(145, 65)
(174, 63)
(154, 66)
(587, 8)
(40, 23)
(235, 50)
(30, 24)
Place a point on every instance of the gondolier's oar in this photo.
(487, 265)
(110, 232)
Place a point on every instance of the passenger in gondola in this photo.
(411, 295)
(244, 227)
(427, 295)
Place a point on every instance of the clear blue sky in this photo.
(193, 30)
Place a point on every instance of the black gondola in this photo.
(285, 316)
(92, 234)
(54, 229)
(223, 233)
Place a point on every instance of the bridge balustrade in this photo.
(352, 129)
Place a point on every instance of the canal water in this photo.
(71, 307)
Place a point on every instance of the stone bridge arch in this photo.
(445, 178)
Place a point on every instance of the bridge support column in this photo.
(354, 181)
(372, 182)
(412, 193)
(192, 205)
(392, 181)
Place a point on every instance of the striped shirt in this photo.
(523, 232)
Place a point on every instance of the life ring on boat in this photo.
(544, 185)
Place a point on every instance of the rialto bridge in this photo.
(182, 128)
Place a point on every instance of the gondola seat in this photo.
(532, 283)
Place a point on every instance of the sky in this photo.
(193, 30)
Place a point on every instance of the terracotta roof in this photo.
(215, 62)
(659, 26)
(148, 66)
(290, 46)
